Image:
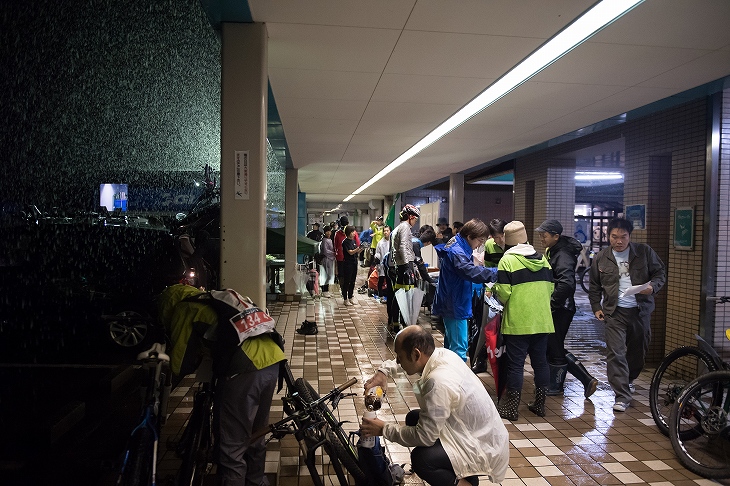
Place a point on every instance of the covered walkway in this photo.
(578, 442)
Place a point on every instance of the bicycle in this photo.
(583, 267)
(699, 428)
(139, 465)
(675, 372)
(314, 425)
(196, 443)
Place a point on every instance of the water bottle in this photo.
(372, 403)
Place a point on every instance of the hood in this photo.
(527, 255)
(567, 244)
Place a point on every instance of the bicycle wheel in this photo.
(344, 449)
(137, 467)
(584, 278)
(196, 451)
(699, 428)
(676, 370)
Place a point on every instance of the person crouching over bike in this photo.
(457, 434)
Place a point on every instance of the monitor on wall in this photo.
(113, 196)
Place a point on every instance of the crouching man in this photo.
(457, 434)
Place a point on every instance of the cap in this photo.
(442, 221)
(552, 226)
(514, 233)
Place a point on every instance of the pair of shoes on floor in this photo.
(308, 328)
(620, 406)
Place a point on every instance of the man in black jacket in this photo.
(562, 253)
(624, 308)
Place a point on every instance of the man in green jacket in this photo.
(628, 317)
(524, 286)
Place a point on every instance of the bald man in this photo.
(457, 434)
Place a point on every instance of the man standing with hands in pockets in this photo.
(627, 317)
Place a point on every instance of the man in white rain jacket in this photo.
(457, 434)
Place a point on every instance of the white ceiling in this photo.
(359, 82)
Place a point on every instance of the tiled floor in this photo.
(578, 442)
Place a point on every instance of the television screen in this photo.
(113, 196)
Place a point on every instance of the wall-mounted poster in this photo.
(637, 215)
(684, 223)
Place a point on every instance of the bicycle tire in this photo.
(137, 470)
(345, 450)
(584, 278)
(195, 456)
(676, 370)
(699, 426)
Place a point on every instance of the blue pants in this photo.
(457, 337)
(518, 347)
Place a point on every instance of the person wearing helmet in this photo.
(402, 257)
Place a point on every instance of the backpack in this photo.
(238, 319)
(377, 467)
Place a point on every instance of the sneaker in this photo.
(632, 388)
(326, 295)
(346, 303)
(620, 406)
(383, 300)
(308, 328)
(352, 302)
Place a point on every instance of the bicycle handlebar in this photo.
(273, 427)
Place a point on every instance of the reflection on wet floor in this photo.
(578, 442)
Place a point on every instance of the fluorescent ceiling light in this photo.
(563, 42)
(599, 176)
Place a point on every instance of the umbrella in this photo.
(409, 302)
(495, 344)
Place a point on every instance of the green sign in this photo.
(684, 222)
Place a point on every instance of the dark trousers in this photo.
(431, 463)
(347, 279)
(518, 347)
(242, 404)
(393, 308)
(556, 341)
(627, 340)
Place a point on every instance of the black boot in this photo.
(577, 369)
(480, 362)
(557, 379)
(538, 406)
(509, 405)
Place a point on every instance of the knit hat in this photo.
(344, 221)
(551, 226)
(514, 233)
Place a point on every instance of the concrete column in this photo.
(243, 159)
(292, 214)
(456, 198)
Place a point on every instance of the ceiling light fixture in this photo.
(595, 19)
(598, 176)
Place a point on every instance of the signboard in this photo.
(684, 223)
(243, 175)
(637, 215)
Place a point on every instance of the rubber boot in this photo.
(557, 379)
(577, 369)
(509, 405)
(538, 406)
(480, 362)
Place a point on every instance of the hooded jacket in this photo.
(456, 408)
(456, 275)
(525, 286)
(563, 258)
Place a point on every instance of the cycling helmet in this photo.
(410, 210)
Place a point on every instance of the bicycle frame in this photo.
(153, 417)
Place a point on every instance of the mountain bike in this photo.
(139, 465)
(583, 268)
(699, 425)
(197, 441)
(312, 422)
(676, 371)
